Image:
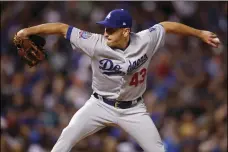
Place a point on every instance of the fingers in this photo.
(213, 40)
(213, 44)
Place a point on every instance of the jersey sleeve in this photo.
(157, 36)
(82, 40)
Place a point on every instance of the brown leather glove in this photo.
(31, 49)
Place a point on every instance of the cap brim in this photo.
(106, 24)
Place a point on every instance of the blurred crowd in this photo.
(187, 80)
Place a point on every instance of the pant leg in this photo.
(138, 124)
(86, 121)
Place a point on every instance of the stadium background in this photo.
(187, 82)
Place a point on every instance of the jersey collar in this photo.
(126, 46)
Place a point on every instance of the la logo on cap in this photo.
(108, 16)
(124, 23)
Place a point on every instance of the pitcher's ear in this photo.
(126, 32)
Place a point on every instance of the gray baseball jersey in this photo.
(119, 74)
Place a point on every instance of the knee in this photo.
(68, 135)
(65, 141)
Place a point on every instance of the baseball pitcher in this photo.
(120, 60)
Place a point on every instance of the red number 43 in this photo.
(138, 78)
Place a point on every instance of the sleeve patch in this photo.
(84, 34)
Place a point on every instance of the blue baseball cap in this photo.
(118, 18)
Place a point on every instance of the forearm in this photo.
(180, 29)
(48, 28)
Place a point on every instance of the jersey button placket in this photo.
(122, 79)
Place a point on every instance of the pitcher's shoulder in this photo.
(141, 36)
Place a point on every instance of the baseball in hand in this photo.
(216, 40)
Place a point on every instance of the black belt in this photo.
(119, 104)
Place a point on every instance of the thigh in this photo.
(138, 124)
(86, 121)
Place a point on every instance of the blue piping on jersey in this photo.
(69, 32)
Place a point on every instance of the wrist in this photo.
(27, 31)
(22, 33)
(199, 33)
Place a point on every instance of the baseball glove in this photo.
(31, 49)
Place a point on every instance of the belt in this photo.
(119, 104)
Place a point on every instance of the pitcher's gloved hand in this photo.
(30, 49)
